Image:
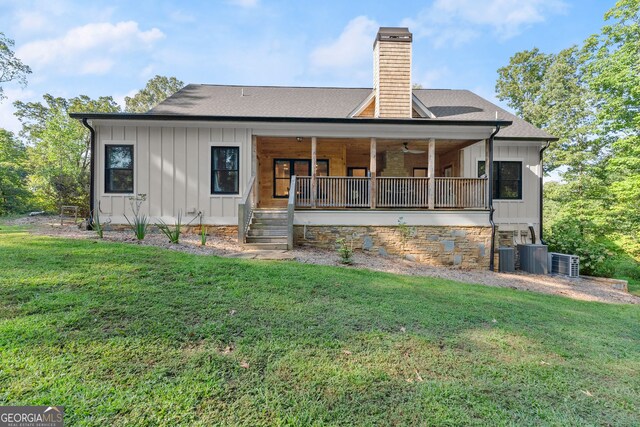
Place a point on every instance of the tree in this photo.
(550, 92)
(589, 97)
(14, 194)
(59, 148)
(614, 67)
(157, 90)
(11, 68)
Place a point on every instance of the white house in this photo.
(392, 168)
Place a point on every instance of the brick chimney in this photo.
(392, 72)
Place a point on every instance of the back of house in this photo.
(393, 169)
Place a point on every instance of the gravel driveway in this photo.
(585, 289)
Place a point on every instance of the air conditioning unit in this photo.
(533, 258)
(568, 265)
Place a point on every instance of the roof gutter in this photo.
(199, 118)
(92, 146)
(541, 190)
(489, 168)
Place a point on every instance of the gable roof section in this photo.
(263, 101)
(466, 105)
(333, 103)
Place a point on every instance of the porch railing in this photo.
(391, 192)
(460, 193)
(402, 192)
(245, 209)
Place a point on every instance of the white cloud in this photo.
(244, 3)
(455, 22)
(429, 79)
(84, 49)
(119, 98)
(9, 121)
(181, 17)
(353, 47)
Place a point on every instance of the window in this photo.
(284, 169)
(118, 174)
(507, 179)
(224, 170)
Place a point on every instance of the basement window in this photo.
(118, 171)
(507, 179)
(225, 170)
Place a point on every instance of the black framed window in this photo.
(284, 169)
(507, 179)
(118, 172)
(225, 170)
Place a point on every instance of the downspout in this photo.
(92, 146)
(489, 169)
(541, 190)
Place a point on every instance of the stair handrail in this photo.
(245, 210)
(291, 207)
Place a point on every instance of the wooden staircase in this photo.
(267, 230)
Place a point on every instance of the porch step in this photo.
(272, 231)
(268, 227)
(267, 239)
(266, 246)
(270, 213)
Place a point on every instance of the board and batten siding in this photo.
(512, 214)
(172, 166)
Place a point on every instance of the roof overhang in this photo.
(383, 121)
(319, 127)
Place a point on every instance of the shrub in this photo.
(575, 237)
(172, 234)
(345, 251)
(140, 221)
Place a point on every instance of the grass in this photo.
(130, 335)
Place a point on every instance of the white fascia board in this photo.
(326, 130)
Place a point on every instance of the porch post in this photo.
(254, 168)
(431, 172)
(372, 171)
(314, 160)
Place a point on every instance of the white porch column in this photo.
(372, 172)
(431, 172)
(314, 161)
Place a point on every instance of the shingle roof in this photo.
(327, 102)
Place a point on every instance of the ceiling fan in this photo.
(406, 150)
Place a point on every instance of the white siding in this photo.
(172, 166)
(512, 214)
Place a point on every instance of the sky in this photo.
(113, 48)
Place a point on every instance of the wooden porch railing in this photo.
(402, 192)
(245, 209)
(461, 193)
(391, 192)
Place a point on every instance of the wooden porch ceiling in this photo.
(442, 145)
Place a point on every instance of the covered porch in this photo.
(365, 173)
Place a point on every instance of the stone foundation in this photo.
(467, 247)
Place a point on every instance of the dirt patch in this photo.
(586, 289)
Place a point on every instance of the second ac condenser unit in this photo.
(568, 265)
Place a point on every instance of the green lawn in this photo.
(128, 335)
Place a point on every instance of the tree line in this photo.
(589, 97)
(46, 165)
